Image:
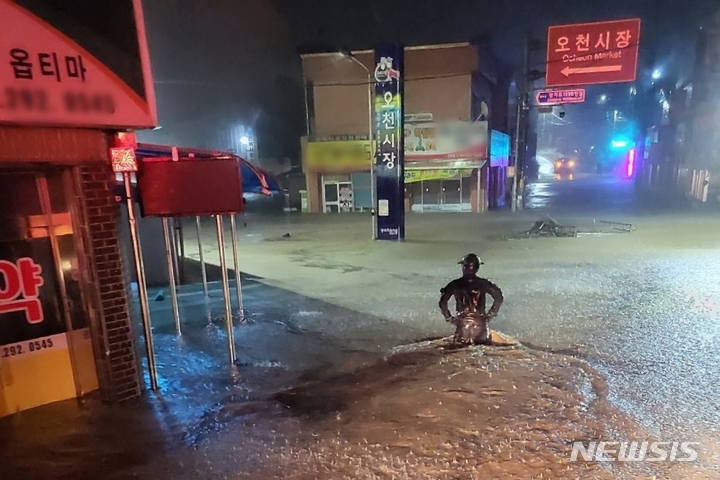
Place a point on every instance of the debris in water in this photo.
(550, 228)
(291, 327)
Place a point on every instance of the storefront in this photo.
(337, 171)
(45, 341)
(64, 315)
(442, 190)
(445, 165)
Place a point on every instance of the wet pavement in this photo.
(620, 336)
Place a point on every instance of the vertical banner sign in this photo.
(389, 157)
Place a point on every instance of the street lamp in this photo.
(348, 54)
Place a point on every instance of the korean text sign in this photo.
(20, 284)
(593, 53)
(389, 131)
(66, 64)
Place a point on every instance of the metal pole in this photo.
(516, 154)
(181, 261)
(167, 230)
(226, 289)
(373, 182)
(238, 285)
(519, 130)
(480, 193)
(142, 287)
(524, 105)
(373, 187)
(175, 254)
(202, 257)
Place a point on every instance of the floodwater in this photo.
(618, 335)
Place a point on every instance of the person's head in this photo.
(470, 264)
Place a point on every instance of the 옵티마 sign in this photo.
(80, 63)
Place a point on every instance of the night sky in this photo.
(224, 61)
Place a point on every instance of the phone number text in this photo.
(25, 347)
(72, 102)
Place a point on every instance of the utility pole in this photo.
(521, 126)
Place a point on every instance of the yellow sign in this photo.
(338, 155)
(412, 176)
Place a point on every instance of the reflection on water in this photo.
(539, 195)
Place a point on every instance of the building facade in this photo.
(65, 327)
(699, 176)
(448, 102)
(681, 152)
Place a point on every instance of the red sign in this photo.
(190, 186)
(123, 160)
(125, 139)
(22, 282)
(591, 53)
(68, 64)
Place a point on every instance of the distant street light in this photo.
(244, 140)
(656, 74)
(373, 188)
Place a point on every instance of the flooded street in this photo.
(337, 376)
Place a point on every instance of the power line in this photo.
(461, 74)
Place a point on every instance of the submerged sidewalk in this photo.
(319, 394)
(304, 403)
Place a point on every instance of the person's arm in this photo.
(446, 293)
(497, 296)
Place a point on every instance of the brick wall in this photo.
(56, 145)
(97, 214)
(101, 211)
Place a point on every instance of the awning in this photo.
(254, 179)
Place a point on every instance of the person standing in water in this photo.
(471, 321)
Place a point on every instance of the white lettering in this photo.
(602, 451)
(635, 453)
(587, 454)
(691, 452)
(657, 449)
(606, 56)
(575, 58)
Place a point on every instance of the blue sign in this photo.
(390, 140)
(560, 97)
(499, 149)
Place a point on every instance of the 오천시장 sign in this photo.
(80, 63)
(389, 158)
(592, 53)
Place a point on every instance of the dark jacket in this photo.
(469, 292)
